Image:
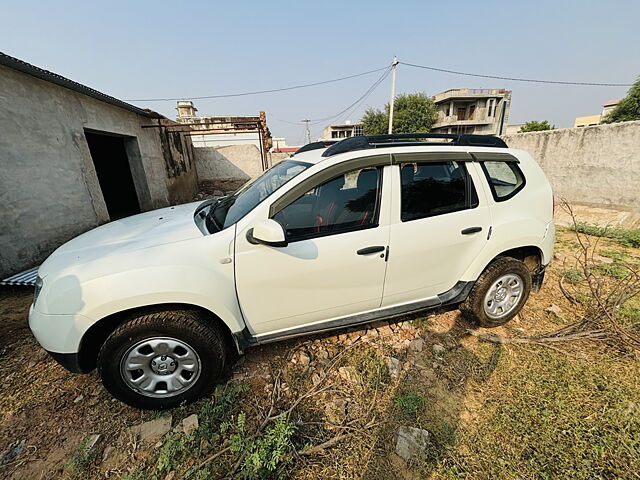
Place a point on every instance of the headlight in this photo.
(37, 291)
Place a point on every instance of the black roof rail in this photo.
(363, 142)
(316, 146)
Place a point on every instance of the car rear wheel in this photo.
(499, 294)
(162, 359)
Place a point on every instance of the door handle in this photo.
(470, 230)
(368, 250)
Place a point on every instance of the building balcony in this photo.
(469, 93)
(453, 121)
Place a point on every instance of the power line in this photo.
(556, 82)
(355, 104)
(348, 109)
(258, 91)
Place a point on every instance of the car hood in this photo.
(157, 227)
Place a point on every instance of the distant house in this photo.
(479, 111)
(280, 146)
(590, 120)
(224, 130)
(587, 120)
(608, 107)
(339, 131)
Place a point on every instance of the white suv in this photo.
(369, 228)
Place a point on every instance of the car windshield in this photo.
(228, 210)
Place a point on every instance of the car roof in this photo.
(314, 152)
(320, 154)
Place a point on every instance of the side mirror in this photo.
(267, 232)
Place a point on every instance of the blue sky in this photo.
(138, 49)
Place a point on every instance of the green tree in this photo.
(629, 107)
(535, 126)
(374, 122)
(412, 113)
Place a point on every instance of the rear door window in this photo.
(505, 178)
(435, 188)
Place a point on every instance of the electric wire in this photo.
(515, 79)
(355, 104)
(425, 67)
(349, 109)
(258, 92)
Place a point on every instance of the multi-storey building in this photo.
(465, 110)
(341, 130)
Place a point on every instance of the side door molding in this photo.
(455, 295)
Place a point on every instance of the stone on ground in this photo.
(151, 430)
(394, 365)
(411, 443)
(190, 424)
(553, 308)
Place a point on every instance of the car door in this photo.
(334, 264)
(440, 222)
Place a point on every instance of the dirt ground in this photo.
(46, 411)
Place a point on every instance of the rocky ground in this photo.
(418, 397)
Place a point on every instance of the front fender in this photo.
(211, 290)
(197, 272)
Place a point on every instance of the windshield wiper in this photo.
(211, 215)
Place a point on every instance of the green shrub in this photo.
(179, 447)
(630, 238)
(83, 457)
(573, 276)
(225, 399)
(262, 456)
(370, 367)
(138, 474)
(409, 404)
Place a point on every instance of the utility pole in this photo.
(306, 122)
(394, 65)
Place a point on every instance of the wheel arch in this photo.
(530, 255)
(95, 336)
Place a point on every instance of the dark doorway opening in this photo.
(114, 174)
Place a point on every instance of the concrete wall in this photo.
(235, 162)
(277, 157)
(223, 140)
(49, 191)
(596, 166)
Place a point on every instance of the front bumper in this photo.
(70, 361)
(58, 333)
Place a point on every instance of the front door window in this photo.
(346, 203)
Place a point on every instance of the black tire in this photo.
(185, 326)
(474, 308)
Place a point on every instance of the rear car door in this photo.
(440, 222)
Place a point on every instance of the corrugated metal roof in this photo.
(24, 67)
(26, 278)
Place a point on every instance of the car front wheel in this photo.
(162, 359)
(499, 294)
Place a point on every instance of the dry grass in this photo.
(494, 410)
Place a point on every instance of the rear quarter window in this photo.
(505, 179)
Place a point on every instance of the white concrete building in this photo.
(218, 131)
(466, 110)
(339, 131)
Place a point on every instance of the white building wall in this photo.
(225, 140)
